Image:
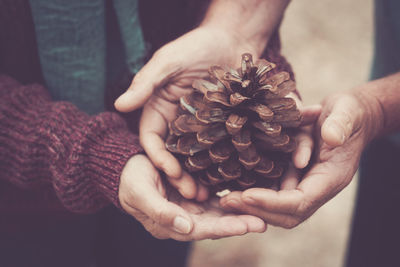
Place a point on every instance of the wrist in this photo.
(385, 96)
(373, 115)
(251, 22)
(125, 181)
(253, 43)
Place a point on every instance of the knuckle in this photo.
(290, 222)
(297, 215)
(302, 209)
(127, 200)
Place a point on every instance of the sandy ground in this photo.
(329, 44)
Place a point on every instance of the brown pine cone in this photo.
(235, 130)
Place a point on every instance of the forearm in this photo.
(53, 143)
(251, 20)
(382, 98)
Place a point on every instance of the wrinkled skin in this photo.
(347, 123)
(168, 76)
(158, 86)
(144, 195)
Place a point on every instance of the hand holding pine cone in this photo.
(236, 130)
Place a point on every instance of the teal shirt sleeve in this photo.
(74, 47)
(71, 43)
(131, 33)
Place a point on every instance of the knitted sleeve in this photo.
(53, 143)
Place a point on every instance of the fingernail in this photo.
(182, 225)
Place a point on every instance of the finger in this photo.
(283, 201)
(202, 193)
(254, 224)
(276, 219)
(161, 158)
(163, 212)
(152, 128)
(291, 179)
(218, 226)
(147, 198)
(232, 201)
(341, 122)
(310, 114)
(318, 186)
(301, 156)
(152, 76)
(322, 183)
(185, 184)
(210, 221)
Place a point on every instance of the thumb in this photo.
(149, 78)
(163, 212)
(147, 196)
(341, 122)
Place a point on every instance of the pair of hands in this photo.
(344, 127)
(166, 214)
(163, 211)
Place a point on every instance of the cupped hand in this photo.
(347, 123)
(166, 214)
(168, 76)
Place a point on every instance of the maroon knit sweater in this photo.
(50, 145)
(53, 157)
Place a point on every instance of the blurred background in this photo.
(329, 44)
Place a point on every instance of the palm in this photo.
(210, 221)
(168, 76)
(332, 168)
(144, 195)
(175, 67)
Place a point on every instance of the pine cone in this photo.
(236, 130)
